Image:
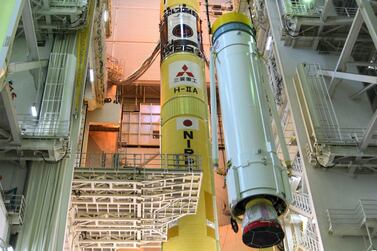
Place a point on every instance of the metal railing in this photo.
(299, 8)
(325, 123)
(43, 127)
(346, 11)
(306, 239)
(364, 211)
(301, 202)
(68, 3)
(1, 190)
(358, 221)
(15, 205)
(130, 199)
(324, 111)
(348, 136)
(285, 116)
(297, 165)
(130, 160)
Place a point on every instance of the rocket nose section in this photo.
(261, 228)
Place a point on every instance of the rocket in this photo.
(184, 117)
(257, 184)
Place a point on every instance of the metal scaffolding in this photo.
(129, 200)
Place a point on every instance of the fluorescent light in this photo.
(91, 75)
(105, 16)
(34, 112)
(268, 43)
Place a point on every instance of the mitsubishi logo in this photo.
(181, 73)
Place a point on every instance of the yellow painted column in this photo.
(184, 117)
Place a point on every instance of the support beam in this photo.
(372, 126)
(357, 94)
(29, 30)
(46, 5)
(359, 63)
(59, 11)
(326, 10)
(318, 38)
(27, 66)
(10, 15)
(370, 18)
(347, 49)
(10, 115)
(31, 40)
(349, 76)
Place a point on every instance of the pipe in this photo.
(279, 128)
(214, 120)
(208, 19)
(214, 136)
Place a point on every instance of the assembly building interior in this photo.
(188, 125)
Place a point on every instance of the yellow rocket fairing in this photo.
(184, 117)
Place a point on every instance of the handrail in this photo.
(15, 204)
(297, 165)
(365, 210)
(307, 239)
(301, 201)
(121, 160)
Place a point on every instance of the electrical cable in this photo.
(143, 67)
(289, 30)
(49, 161)
(253, 30)
(208, 20)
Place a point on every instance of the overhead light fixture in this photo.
(105, 16)
(34, 112)
(91, 75)
(268, 43)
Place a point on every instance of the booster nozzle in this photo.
(261, 227)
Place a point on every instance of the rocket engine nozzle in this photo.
(261, 228)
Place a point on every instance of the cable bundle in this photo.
(143, 68)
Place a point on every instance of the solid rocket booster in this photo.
(184, 116)
(258, 187)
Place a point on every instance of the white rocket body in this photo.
(255, 173)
